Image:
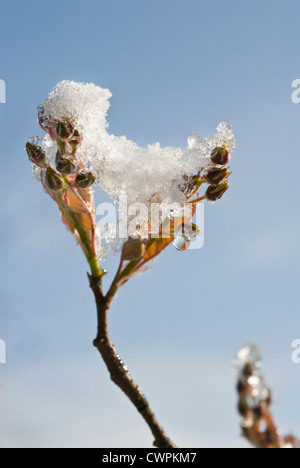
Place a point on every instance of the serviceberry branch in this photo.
(78, 153)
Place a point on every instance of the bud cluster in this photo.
(68, 140)
(78, 151)
(69, 183)
(216, 177)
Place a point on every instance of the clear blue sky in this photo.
(175, 68)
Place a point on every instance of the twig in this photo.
(115, 284)
(118, 372)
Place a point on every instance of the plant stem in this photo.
(118, 372)
(95, 267)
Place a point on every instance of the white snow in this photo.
(120, 165)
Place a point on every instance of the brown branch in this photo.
(118, 372)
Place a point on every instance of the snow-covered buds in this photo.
(254, 403)
(79, 150)
(64, 130)
(216, 177)
(68, 184)
(67, 136)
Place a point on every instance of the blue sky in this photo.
(175, 68)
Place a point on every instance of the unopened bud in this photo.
(36, 155)
(64, 130)
(220, 155)
(85, 179)
(215, 192)
(53, 180)
(65, 164)
(216, 175)
(133, 249)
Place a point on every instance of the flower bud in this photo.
(36, 155)
(133, 249)
(53, 180)
(215, 192)
(216, 175)
(65, 164)
(220, 155)
(85, 179)
(64, 130)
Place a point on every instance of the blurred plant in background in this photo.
(255, 400)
